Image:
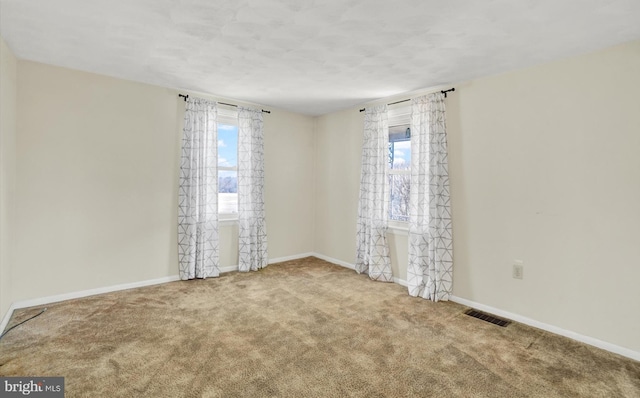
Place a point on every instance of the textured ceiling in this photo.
(309, 56)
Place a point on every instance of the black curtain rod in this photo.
(186, 96)
(399, 102)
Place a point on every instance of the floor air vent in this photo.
(487, 318)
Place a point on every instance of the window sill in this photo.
(398, 228)
(226, 221)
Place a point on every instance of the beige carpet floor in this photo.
(303, 328)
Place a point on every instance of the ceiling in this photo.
(307, 56)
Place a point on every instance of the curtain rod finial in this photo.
(447, 91)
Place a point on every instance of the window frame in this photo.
(399, 115)
(227, 116)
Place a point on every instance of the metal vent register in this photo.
(487, 318)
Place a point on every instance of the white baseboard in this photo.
(518, 318)
(230, 268)
(334, 261)
(345, 264)
(550, 328)
(515, 317)
(114, 288)
(400, 282)
(6, 318)
(289, 258)
(83, 293)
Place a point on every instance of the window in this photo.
(227, 163)
(399, 164)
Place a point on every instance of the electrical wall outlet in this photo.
(518, 271)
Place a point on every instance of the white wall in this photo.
(543, 161)
(545, 168)
(97, 174)
(289, 195)
(8, 101)
(96, 182)
(289, 200)
(337, 180)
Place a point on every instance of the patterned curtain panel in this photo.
(372, 254)
(198, 192)
(430, 269)
(252, 239)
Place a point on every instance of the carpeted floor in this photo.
(303, 328)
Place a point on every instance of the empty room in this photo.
(300, 198)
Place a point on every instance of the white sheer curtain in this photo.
(372, 253)
(198, 192)
(252, 240)
(430, 269)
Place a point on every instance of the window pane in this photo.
(399, 181)
(227, 191)
(227, 179)
(400, 155)
(400, 147)
(227, 145)
(399, 185)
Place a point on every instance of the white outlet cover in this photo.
(518, 271)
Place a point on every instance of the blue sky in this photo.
(402, 154)
(227, 145)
